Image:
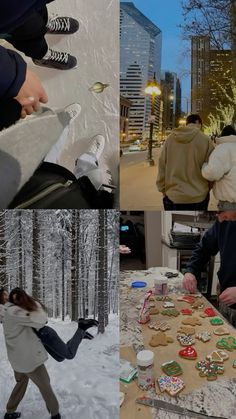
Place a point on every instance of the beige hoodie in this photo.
(181, 160)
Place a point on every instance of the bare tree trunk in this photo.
(20, 214)
(74, 266)
(102, 272)
(3, 279)
(36, 256)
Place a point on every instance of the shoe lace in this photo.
(59, 24)
(58, 56)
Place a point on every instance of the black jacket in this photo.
(221, 237)
(12, 66)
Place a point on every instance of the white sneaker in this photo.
(87, 165)
(73, 110)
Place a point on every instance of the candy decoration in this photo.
(186, 311)
(186, 340)
(228, 343)
(172, 385)
(216, 321)
(172, 368)
(204, 336)
(188, 353)
(208, 369)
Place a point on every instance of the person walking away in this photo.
(179, 173)
(221, 169)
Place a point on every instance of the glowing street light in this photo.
(153, 89)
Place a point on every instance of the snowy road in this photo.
(86, 387)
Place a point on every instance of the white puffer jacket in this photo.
(221, 169)
(25, 350)
(1, 313)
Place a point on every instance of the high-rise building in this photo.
(140, 58)
(171, 96)
(211, 71)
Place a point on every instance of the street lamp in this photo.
(153, 89)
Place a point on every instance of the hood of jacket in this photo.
(227, 139)
(185, 134)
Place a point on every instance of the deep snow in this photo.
(87, 387)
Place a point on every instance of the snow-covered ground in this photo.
(87, 387)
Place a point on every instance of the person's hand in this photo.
(228, 296)
(124, 249)
(190, 282)
(31, 94)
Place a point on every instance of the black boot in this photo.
(14, 415)
(85, 324)
(88, 336)
(58, 416)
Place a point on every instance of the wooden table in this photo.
(193, 382)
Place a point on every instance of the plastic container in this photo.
(145, 367)
(161, 286)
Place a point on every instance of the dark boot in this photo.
(58, 416)
(85, 324)
(14, 415)
(88, 336)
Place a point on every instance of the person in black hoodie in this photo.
(24, 24)
(221, 237)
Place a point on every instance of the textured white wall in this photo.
(96, 46)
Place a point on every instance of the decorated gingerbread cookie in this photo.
(192, 321)
(234, 363)
(185, 330)
(204, 336)
(168, 304)
(187, 299)
(220, 331)
(163, 298)
(216, 321)
(208, 312)
(197, 304)
(158, 325)
(228, 343)
(186, 340)
(188, 353)
(172, 385)
(218, 356)
(160, 339)
(210, 370)
(186, 311)
(172, 368)
(153, 311)
(170, 312)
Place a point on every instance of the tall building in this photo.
(140, 58)
(211, 70)
(124, 118)
(171, 96)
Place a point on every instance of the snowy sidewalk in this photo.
(138, 189)
(87, 387)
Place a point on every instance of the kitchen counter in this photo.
(199, 394)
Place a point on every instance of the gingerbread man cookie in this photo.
(184, 330)
(210, 370)
(204, 336)
(172, 368)
(192, 321)
(228, 343)
(160, 339)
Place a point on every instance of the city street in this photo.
(138, 189)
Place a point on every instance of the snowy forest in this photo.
(67, 259)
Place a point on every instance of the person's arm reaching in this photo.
(207, 247)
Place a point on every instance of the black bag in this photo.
(54, 187)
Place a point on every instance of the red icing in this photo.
(210, 312)
(187, 311)
(189, 352)
(187, 298)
